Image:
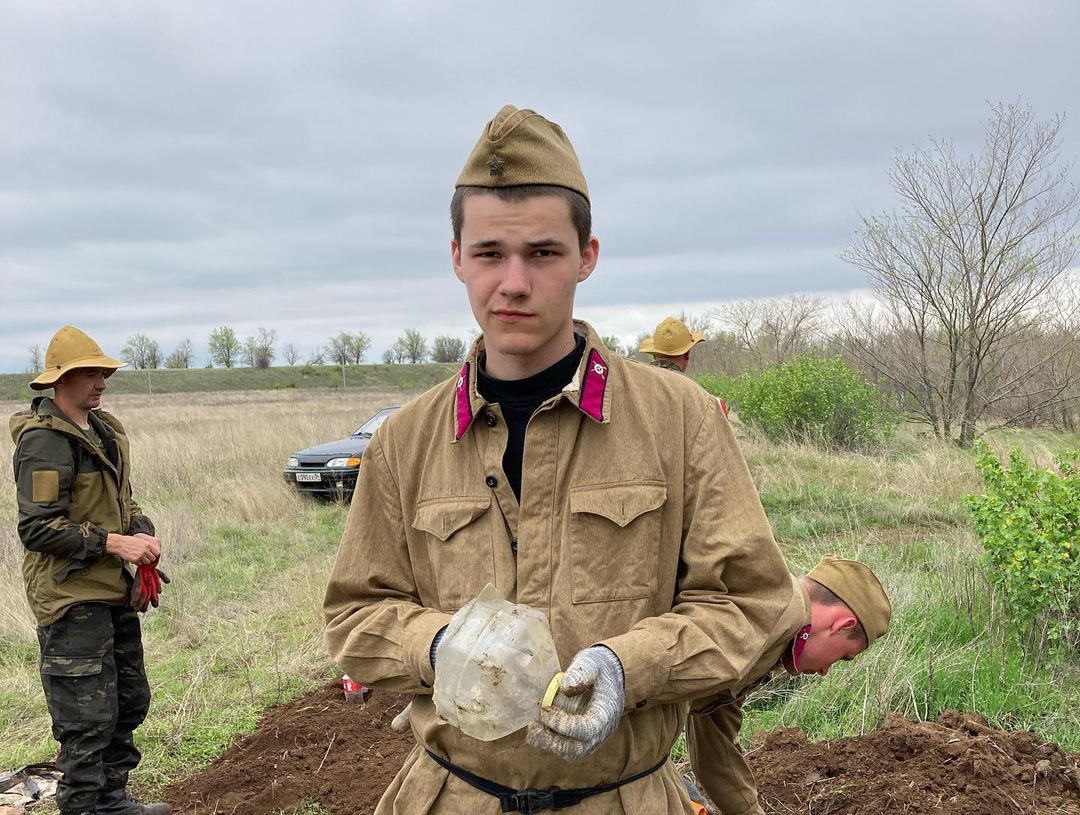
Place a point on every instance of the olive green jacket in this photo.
(638, 527)
(712, 729)
(71, 496)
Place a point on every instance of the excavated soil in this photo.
(344, 754)
(956, 765)
(318, 747)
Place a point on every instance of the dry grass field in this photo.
(240, 628)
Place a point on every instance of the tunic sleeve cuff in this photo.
(646, 665)
(418, 636)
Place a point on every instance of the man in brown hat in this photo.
(671, 344)
(840, 608)
(611, 496)
(81, 526)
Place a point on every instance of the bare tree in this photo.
(35, 358)
(224, 346)
(967, 272)
(337, 349)
(359, 345)
(290, 353)
(141, 352)
(697, 323)
(448, 349)
(348, 349)
(638, 340)
(775, 330)
(413, 346)
(182, 356)
(316, 357)
(258, 349)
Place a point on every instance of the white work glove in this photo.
(401, 723)
(587, 708)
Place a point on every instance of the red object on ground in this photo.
(354, 691)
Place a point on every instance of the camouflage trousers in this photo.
(95, 685)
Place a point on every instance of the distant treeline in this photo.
(15, 387)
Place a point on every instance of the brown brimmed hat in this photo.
(520, 147)
(671, 338)
(69, 349)
(861, 591)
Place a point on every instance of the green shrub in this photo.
(1028, 522)
(808, 398)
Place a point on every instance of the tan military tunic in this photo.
(639, 527)
(712, 731)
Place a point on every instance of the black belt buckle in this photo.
(530, 800)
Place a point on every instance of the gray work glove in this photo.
(402, 722)
(587, 708)
(698, 797)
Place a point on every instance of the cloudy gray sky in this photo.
(169, 167)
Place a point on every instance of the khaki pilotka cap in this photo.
(861, 591)
(520, 147)
(671, 338)
(69, 349)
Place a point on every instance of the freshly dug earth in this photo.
(344, 754)
(316, 748)
(956, 765)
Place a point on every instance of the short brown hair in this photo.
(826, 597)
(580, 211)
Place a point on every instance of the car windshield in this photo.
(369, 427)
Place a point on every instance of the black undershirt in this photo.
(519, 399)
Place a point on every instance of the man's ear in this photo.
(589, 255)
(844, 622)
(455, 259)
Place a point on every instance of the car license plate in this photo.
(309, 477)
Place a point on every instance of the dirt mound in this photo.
(956, 765)
(318, 747)
(343, 754)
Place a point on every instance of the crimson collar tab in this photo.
(798, 645)
(594, 386)
(463, 411)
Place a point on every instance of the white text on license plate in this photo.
(308, 477)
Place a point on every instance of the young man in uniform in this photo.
(843, 608)
(80, 525)
(671, 344)
(608, 494)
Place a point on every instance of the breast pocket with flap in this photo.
(458, 537)
(615, 540)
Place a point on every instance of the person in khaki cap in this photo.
(671, 344)
(81, 527)
(609, 495)
(839, 609)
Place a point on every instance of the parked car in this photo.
(331, 469)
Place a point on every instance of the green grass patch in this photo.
(805, 511)
(239, 631)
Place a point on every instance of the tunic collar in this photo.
(588, 390)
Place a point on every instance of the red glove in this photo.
(146, 591)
